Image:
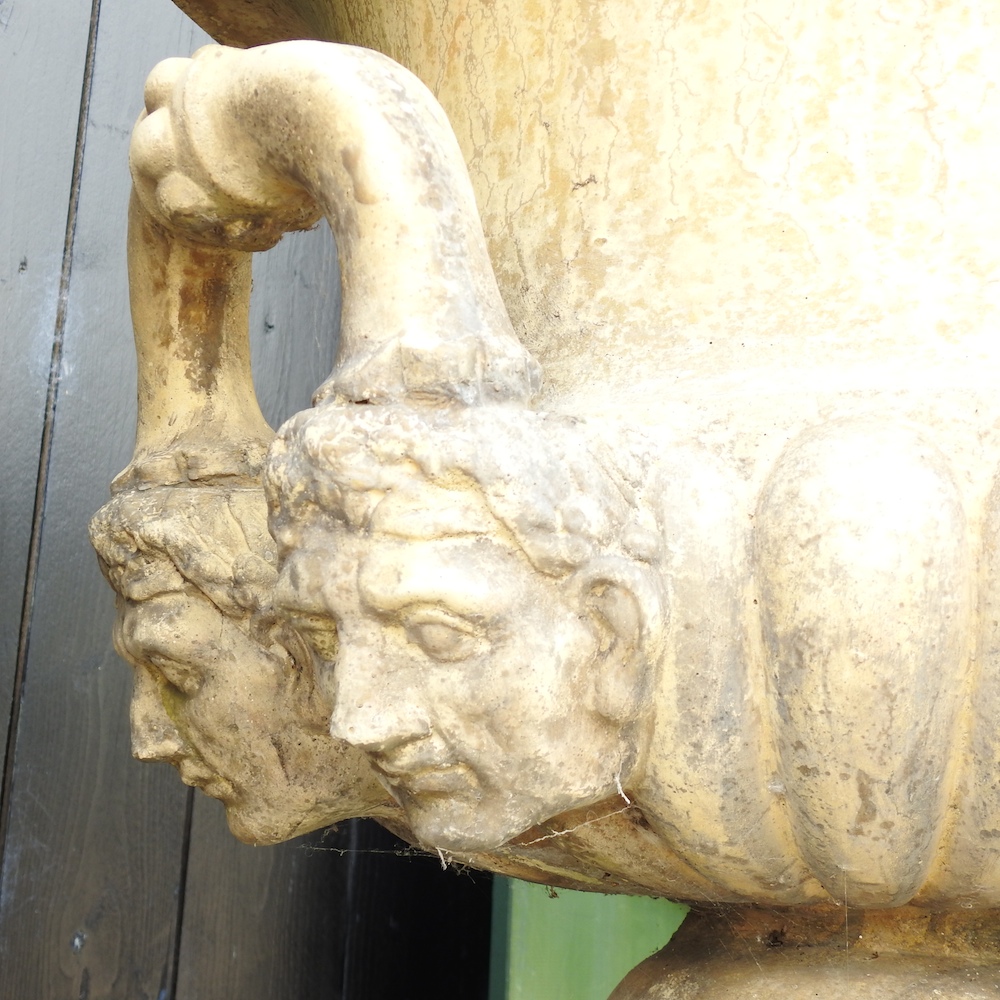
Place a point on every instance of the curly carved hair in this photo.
(566, 496)
(571, 501)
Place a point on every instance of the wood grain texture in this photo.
(93, 860)
(294, 315)
(260, 922)
(414, 930)
(101, 895)
(346, 914)
(41, 73)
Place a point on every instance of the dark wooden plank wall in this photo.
(117, 882)
(40, 80)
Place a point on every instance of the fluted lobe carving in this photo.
(865, 580)
(776, 668)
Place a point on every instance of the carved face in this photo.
(465, 675)
(220, 700)
(220, 708)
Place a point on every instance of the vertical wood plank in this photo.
(294, 318)
(414, 930)
(346, 914)
(260, 922)
(41, 73)
(94, 851)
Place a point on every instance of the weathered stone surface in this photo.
(824, 953)
(518, 613)
(709, 614)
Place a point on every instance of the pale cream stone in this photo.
(226, 687)
(236, 149)
(223, 691)
(717, 617)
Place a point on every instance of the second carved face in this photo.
(222, 691)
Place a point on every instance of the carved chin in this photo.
(451, 824)
(262, 826)
(463, 834)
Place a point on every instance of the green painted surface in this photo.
(571, 945)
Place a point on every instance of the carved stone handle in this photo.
(198, 417)
(238, 147)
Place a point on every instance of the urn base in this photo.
(823, 953)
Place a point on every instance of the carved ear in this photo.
(625, 607)
(311, 706)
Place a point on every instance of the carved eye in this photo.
(179, 676)
(443, 636)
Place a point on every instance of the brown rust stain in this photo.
(201, 316)
(156, 262)
(867, 810)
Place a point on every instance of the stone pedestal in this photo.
(823, 953)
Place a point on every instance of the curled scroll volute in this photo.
(237, 147)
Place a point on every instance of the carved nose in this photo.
(375, 704)
(154, 735)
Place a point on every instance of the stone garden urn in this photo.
(645, 536)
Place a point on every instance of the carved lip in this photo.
(437, 779)
(408, 757)
(196, 774)
(456, 779)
